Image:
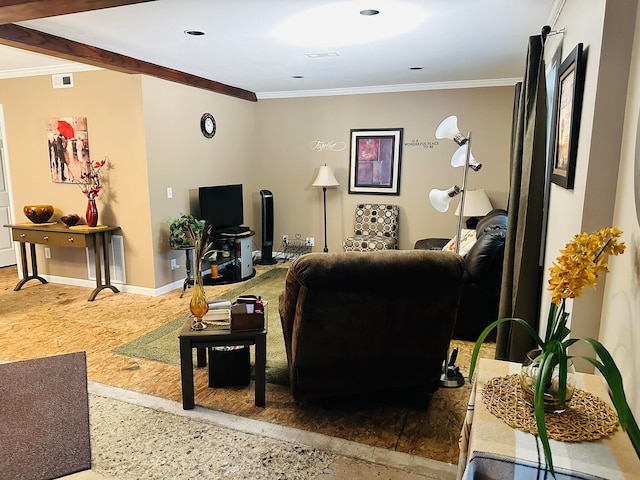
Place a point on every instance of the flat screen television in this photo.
(221, 206)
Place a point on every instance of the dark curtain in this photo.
(522, 270)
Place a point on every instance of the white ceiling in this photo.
(457, 42)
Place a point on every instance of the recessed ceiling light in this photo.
(322, 54)
(195, 33)
(415, 68)
(369, 12)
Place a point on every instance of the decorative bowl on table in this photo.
(70, 220)
(38, 213)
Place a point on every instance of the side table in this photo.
(486, 438)
(219, 336)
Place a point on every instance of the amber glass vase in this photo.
(198, 305)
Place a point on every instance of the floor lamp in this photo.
(462, 157)
(325, 179)
(440, 199)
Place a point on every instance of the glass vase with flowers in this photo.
(549, 373)
(198, 304)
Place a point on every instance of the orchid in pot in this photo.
(577, 266)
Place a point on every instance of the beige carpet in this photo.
(43, 320)
(162, 344)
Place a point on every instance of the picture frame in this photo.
(68, 146)
(375, 160)
(567, 119)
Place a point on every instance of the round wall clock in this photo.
(208, 125)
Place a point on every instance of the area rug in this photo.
(162, 345)
(139, 437)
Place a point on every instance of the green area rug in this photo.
(162, 345)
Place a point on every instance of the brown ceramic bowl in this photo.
(70, 220)
(38, 213)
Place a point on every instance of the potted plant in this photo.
(577, 266)
(179, 234)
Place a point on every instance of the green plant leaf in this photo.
(487, 331)
(552, 319)
(547, 364)
(612, 375)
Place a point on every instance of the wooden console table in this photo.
(62, 236)
(487, 440)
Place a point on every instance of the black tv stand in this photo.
(233, 231)
(234, 259)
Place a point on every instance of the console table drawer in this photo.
(56, 239)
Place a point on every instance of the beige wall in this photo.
(180, 157)
(620, 329)
(149, 129)
(112, 104)
(287, 163)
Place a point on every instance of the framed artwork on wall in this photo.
(567, 120)
(68, 144)
(374, 162)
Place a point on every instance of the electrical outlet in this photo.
(47, 252)
(174, 264)
(285, 240)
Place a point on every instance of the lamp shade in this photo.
(448, 128)
(440, 199)
(325, 178)
(476, 204)
(460, 157)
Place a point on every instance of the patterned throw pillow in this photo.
(468, 239)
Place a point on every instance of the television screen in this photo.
(221, 206)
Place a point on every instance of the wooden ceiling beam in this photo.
(12, 11)
(44, 43)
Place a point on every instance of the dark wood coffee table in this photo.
(219, 336)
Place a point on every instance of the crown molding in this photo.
(46, 70)
(412, 87)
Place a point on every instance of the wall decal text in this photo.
(331, 146)
(419, 143)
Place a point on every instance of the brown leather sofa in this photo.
(364, 322)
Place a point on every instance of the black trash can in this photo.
(229, 366)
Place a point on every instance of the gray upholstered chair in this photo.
(375, 228)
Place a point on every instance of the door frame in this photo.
(7, 172)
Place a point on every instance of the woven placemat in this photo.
(586, 418)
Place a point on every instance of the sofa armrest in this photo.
(431, 244)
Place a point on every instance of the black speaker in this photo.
(267, 229)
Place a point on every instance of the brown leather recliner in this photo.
(362, 322)
(482, 275)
